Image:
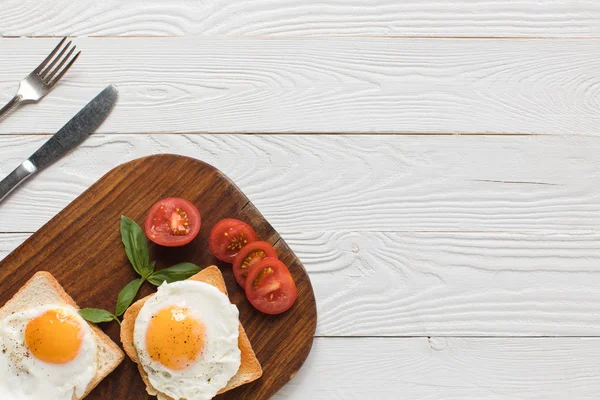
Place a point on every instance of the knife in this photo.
(66, 139)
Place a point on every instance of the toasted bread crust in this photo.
(61, 297)
(250, 368)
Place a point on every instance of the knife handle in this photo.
(15, 178)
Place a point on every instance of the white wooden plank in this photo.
(450, 284)
(351, 182)
(10, 241)
(448, 369)
(301, 18)
(315, 85)
(460, 284)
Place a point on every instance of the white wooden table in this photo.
(435, 164)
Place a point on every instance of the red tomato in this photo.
(270, 287)
(248, 256)
(172, 222)
(228, 237)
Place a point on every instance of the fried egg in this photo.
(46, 352)
(186, 337)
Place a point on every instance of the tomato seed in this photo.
(249, 257)
(237, 243)
(179, 223)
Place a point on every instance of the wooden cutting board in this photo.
(82, 247)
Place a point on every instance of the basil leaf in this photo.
(151, 268)
(96, 315)
(177, 272)
(127, 295)
(136, 247)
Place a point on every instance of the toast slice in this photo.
(250, 368)
(44, 289)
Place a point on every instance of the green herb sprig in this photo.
(136, 248)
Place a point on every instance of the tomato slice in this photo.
(172, 222)
(270, 287)
(248, 256)
(228, 237)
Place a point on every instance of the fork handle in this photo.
(10, 105)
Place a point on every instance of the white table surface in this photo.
(435, 165)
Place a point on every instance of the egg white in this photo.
(24, 377)
(220, 358)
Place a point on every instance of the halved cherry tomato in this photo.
(228, 237)
(270, 287)
(172, 222)
(248, 256)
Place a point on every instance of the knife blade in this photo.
(66, 139)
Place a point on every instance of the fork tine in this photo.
(48, 77)
(58, 57)
(43, 63)
(65, 69)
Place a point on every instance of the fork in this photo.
(42, 79)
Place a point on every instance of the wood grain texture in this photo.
(351, 182)
(10, 241)
(318, 86)
(450, 284)
(81, 247)
(448, 369)
(453, 284)
(547, 18)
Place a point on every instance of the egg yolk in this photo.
(174, 338)
(54, 337)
